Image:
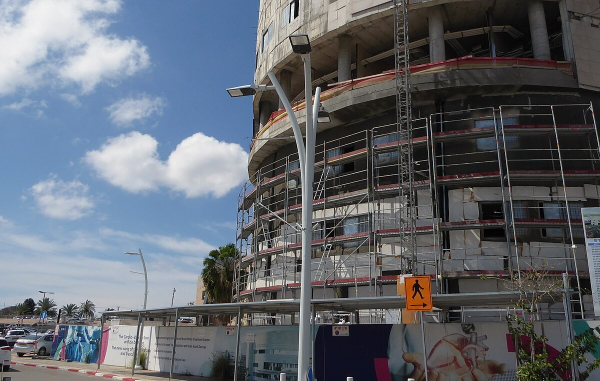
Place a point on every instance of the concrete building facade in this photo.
(504, 140)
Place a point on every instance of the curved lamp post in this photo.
(140, 331)
(306, 156)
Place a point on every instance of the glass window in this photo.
(266, 38)
(388, 157)
(294, 8)
(337, 169)
(285, 16)
(489, 144)
(558, 211)
(353, 225)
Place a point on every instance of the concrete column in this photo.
(361, 54)
(265, 112)
(567, 39)
(345, 58)
(538, 30)
(491, 34)
(437, 47)
(285, 80)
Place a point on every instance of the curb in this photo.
(75, 370)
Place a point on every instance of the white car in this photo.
(15, 334)
(5, 353)
(40, 345)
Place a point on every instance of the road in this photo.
(28, 373)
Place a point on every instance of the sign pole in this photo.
(424, 347)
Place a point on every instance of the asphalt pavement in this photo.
(78, 368)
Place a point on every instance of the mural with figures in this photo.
(381, 352)
(76, 343)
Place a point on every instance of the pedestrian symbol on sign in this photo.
(418, 293)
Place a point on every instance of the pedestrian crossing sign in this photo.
(418, 293)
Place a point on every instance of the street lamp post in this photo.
(145, 274)
(43, 298)
(140, 331)
(306, 156)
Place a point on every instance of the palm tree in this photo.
(21, 309)
(45, 304)
(87, 309)
(69, 310)
(217, 275)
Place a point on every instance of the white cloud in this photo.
(61, 200)
(71, 98)
(102, 271)
(46, 40)
(177, 244)
(5, 223)
(199, 166)
(129, 162)
(27, 104)
(18, 106)
(126, 111)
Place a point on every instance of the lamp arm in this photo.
(145, 279)
(315, 114)
(293, 121)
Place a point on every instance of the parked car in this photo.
(186, 320)
(15, 334)
(5, 353)
(34, 344)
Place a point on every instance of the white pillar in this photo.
(437, 47)
(538, 30)
(344, 58)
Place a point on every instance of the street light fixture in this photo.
(323, 115)
(248, 90)
(306, 157)
(44, 298)
(300, 43)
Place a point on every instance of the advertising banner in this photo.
(381, 352)
(591, 227)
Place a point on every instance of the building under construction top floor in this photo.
(477, 173)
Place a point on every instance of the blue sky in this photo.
(116, 133)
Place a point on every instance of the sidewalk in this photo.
(106, 371)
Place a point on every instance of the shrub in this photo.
(221, 369)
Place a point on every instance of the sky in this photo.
(117, 134)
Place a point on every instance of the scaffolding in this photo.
(496, 191)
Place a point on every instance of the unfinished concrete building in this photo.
(503, 147)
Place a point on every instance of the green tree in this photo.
(534, 360)
(69, 310)
(46, 304)
(29, 306)
(87, 310)
(217, 275)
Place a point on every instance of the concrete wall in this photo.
(585, 31)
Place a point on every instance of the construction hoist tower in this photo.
(407, 213)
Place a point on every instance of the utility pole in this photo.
(173, 297)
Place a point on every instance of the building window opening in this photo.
(266, 37)
(492, 211)
(290, 12)
(348, 167)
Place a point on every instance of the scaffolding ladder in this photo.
(407, 219)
